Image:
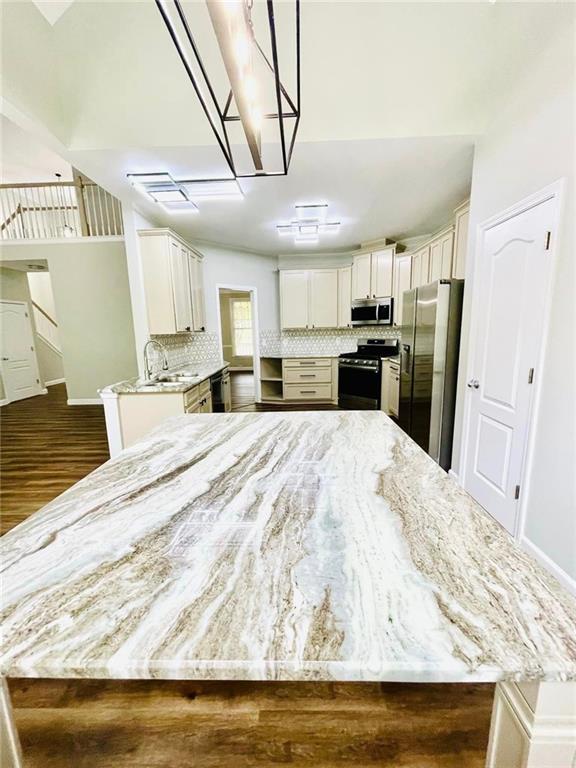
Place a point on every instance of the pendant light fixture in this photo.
(256, 98)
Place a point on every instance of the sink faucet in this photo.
(147, 364)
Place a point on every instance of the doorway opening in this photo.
(239, 343)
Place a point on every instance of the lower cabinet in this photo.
(390, 395)
(303, 379)
(131, 417)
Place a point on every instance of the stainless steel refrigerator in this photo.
(430, 340)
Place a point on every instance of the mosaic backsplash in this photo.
(330, 341)
(183, 348)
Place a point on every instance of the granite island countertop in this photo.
(310, 546)
(199, 371)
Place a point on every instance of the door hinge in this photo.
(530, 375)
(517, 492)
(547, 243)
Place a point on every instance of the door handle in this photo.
(473, 384)
(6, 359)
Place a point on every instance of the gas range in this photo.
(360, 373)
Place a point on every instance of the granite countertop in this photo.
(198, 372)
(310, 546)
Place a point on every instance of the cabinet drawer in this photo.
(394, 368)
(316, 362)
(204, 388)
(191, 396)
(308, 375)
(307, 391)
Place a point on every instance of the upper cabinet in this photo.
(294, 298)
(172, 274)
(372, 274)
(420, 267)
(441, 256)
(461, 214)
(345, 297)
(309, 298)
(402, 282)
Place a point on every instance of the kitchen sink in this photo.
(177, 377)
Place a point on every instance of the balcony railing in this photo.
(58, 209)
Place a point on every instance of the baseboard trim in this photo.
(5, 401)
(564, 578)
(84, 401)
(54, 381)
(455, 476)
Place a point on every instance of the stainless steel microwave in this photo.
(372, 311)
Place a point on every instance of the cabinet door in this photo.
(402, 282)
(436, 260)
(381, 273)
(385, 387)
(323, 298)
(156, 257)
(461, 241)
(294, 299)
(425, 266)
(447, 247)
(393, 390)
(344, 297)
(416, 269)
(181, 287)
(361, 275)
(195, 268)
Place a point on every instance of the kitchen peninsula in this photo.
(299, 546)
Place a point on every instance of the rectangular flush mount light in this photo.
(212, 188)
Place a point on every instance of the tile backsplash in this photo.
(330, 341)
(185, 348)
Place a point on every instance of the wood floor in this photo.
(46, 447)
(97, 724)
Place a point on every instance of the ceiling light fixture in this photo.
(256, 100)
(309, 224)
(162, 189)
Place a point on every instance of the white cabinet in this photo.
(441, 256)
(323, 297)
(390, 393)
(402, 277)
(309, 298)
(372, 274)
(381, 268)
(462, 215)
(344, 297)
(361, 276)
(294, 298)
(421, 267)
(172, 277)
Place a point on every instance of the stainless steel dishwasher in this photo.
(220, 387)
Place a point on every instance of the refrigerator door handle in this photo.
(405, 355)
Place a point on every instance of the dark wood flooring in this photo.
(46, 447)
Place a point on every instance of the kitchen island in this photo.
(300, 546)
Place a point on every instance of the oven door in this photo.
(358, 387)
(364, 313)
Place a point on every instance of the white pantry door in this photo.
(514, 273)
(18, 364)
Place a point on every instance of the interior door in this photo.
(361, 276)
(18, 365)
(512, 285)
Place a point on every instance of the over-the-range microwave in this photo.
(372, 311)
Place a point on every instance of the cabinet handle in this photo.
(307, 362)
(307, 375)
(187, 328)
(307, 391)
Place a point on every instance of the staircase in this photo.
(46, 328)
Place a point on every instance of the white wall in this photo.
(529, 145)
(41, 292)
(238, 269)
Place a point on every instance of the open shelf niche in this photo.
(271, 378)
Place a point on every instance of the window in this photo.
(241, 321)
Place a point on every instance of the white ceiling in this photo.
(25, 159)
(393, 94)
